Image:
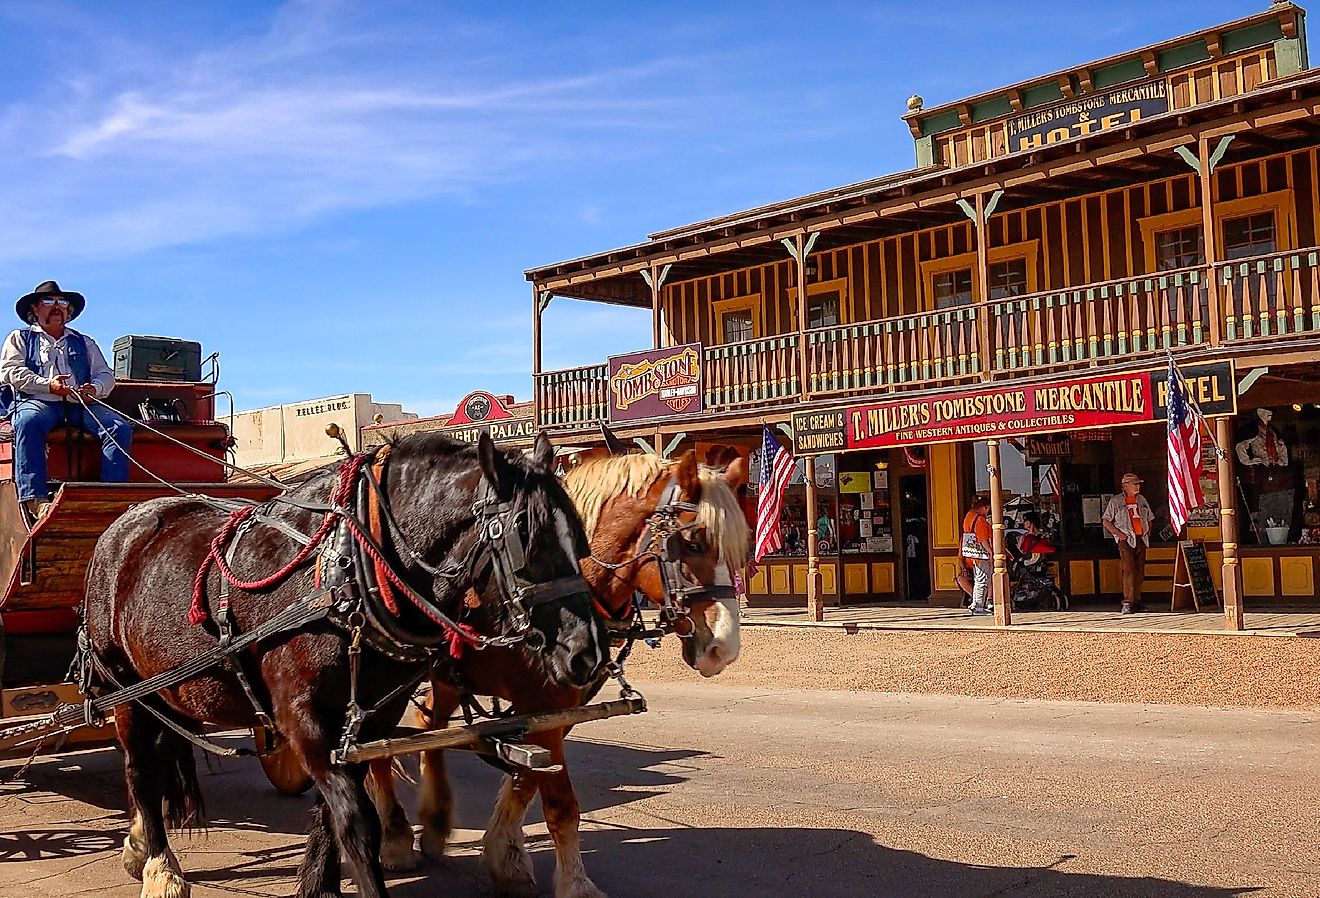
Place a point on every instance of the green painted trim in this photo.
(1182, 56)
(1118, 73)
(1256, 35)
(991, 109)
(1041, 94)
(938, 124)
(926, 152)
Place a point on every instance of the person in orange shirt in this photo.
(1127, 519)
(976, 553)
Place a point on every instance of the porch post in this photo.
(655, 279)
(538, 304)
(1214, 300)
(999, 589)
(981, 296)
(1228, 529)
(800, 257)
(815, 602)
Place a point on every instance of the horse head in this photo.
(522, 541)
(673, 530)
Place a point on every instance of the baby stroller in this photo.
(1033, 589)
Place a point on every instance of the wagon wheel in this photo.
(282, 766)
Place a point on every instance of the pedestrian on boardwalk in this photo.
(1127, 519)
(976, 554)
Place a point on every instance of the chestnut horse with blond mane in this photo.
(618, 499)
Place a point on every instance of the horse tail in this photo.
(181, 793)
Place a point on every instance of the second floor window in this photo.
(952, 288)
(1008, 278)
(822, 309)
(737, 325)
(1249, 235)
(1179, 248)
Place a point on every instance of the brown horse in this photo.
(455, 514)
(625, 503)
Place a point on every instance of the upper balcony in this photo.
(1231, 308)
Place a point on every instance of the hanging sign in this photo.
(1135, 397)
(1089, 114)
(657, 383)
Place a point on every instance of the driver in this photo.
(51, 367)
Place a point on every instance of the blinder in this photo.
(664, 531)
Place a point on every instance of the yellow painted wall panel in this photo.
(1296, 576)
(855, 582)
(882, 576)
(829, 580)
(800, 579)
(1111, 576)
(1081, 575)
(946, 572)
(945, 508)
(1258, 576)
(1216, 560)
(759, 585)
(779, 580)
(1160, 553)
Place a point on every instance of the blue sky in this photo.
(342, 197)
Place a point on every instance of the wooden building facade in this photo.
(1088, 223)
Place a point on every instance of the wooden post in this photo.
(1234, 618)
(536, 355)
(1215, 302)
(655, 307)
(815, 602)
(999, 588)
(981, 295)
(804, 364)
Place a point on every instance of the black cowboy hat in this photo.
(47, 290)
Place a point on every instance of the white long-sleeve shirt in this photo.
(52, 359)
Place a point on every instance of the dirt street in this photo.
(726, 790)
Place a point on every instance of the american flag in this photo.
(1052, 479)
(776, 469)
(1184, 452)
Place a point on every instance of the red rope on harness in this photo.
(198, 613)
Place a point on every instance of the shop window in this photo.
(1179, 248)
(952, 288)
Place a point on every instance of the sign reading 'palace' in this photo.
(656, 383)
(1114, 400)
(1087, 115)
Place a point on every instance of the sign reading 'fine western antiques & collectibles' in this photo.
(1087, 115)
(656, 383)
(1135, 397)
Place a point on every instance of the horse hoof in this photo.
(133, 857)
(398, 857)
(161, 879)
(434, 842)
(578, 887)
(511, 870)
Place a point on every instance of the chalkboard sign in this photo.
(1192, 584)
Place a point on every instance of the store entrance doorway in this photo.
(916, 537)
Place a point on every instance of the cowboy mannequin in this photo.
(50, 366)
(1265, 454)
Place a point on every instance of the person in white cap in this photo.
(1127, 519)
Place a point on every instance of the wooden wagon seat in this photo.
(75, 455)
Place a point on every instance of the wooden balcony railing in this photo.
(1263, 297)
(908, 350)
(754, 372)
(572, 396)
(1133, 316)
(1271, 296)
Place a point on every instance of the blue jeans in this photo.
(34, 420)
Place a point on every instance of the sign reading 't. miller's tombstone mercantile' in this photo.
(1087, 115)
(1134, 397)
(656, 383)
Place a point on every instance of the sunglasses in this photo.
(55, 302)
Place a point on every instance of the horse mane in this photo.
(592, 484)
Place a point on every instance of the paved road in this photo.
(727, 791)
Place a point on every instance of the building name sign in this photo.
(513, 429)
(1109, 401)
(656, 383)
(320, 408)
(1087, 115)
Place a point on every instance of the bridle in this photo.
(662, 541)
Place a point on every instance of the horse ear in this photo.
(543, 453)
(689, 476)
(494, 464)
(735, 475)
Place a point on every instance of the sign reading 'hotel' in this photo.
(1137, 397)
(1087, 115)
